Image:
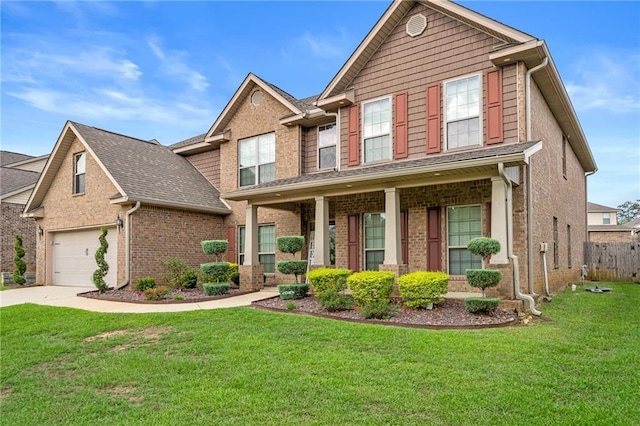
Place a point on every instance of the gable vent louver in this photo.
(416, 25)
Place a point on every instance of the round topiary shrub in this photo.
(423, 289)
(293, 291)
(483, 278)
(215, 247)
(481, 305)
(292, 267)
(215, 289)
(217, 271)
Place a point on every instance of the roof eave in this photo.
(172, 205)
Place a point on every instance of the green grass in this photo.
(3, 287)
(579, 366)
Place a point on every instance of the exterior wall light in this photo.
(40, 231)
(119, 222)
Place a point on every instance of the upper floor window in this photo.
(373, 240)
(462, 112)
(257, 159)
(463, 224)
(606, 218)
(376, 123)
(327, 138)
(79, 172)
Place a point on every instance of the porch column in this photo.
(321, 239)
(392, 232)
(251, 271)
(499, 219)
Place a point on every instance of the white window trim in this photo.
(258, 163)
(364, 238)
(241, 247)
(335, 146)
(362, 138)
(76, 174)
(275, 235)
(480, 113)
(447, 233)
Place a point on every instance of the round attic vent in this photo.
(416, 25)
(256, 98)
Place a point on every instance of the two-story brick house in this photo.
(443, 125)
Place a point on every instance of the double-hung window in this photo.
(79, 172)
(257, 159)
(327, 137)
(463, 112)
(266, 247)
(376, 124)
(606, 218)
(373, 240)
(463, 224)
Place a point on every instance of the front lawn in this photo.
(243, 366)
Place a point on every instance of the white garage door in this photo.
(74, 257)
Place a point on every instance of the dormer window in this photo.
(257, 158)
(79, 172)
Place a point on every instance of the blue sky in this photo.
(165, 70)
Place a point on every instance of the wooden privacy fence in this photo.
(613, 261)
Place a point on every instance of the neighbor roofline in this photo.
(17, 191)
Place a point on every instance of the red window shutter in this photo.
(231, 248)
(433, 239)
(433, 119)
(354, 135)
(353, 245)
(495, 133)
(400, 147)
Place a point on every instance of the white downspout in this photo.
(527, 97)
(516, 265)
(127, 246)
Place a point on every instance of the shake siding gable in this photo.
(400, 147)
(354, 135)
(493, 104)
(433, 119)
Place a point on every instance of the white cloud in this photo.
(602, 82)
(325, 47)
(174, 64)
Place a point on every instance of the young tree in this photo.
(21, 266)
(628, 211)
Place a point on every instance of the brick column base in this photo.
(398, 270)
(251, 277)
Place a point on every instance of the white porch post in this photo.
(251, 236)
(392, 232)
(321, 253)
(499, 214)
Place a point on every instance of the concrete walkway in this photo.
(67, 297)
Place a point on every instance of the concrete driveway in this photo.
(67, 297)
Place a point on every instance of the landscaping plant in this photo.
(179, 274)
(215, 289)
(483, 278)
(21, 266)
(103, 266)
(215, 270)
(293, 291)
(371, 291)
(329, 286)
(423, 289)
(291, 245)
(144, 283)
(156, 293)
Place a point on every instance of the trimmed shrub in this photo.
(215, 247)
(144, 283)
(483, 246)
(481, 305)
(293, 291)
(328, 281)
(292, 267)
(216, 270)
(156, 293)
(483, 278)
(233, 276)
(371, 286)
(215, 289)
(21, 266)
(421, 289)
(380, 309)
(190, 278)
(103, 266)
(290, 244)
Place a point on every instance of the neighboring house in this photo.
(442, 126)
(18, 175)
(603, 227)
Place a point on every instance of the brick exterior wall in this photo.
(12, 224)
(160, 233)
(611, 236)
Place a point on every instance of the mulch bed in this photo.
(449, 314)
(190, 296)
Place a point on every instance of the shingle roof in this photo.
(8, 157)
(149, 171)
(593, 207)
(15, 179)
(190, 141)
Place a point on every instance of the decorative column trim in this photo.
(321, 237)
(392, 230)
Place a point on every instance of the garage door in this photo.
(74, 257)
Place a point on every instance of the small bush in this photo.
(371, 286)
(292, 267)
(190, 278)
(156, 293)
(215, 247)
(177, 273)
(216, 270)
(483, 278)
(215, 289)
(420, 289)
(481, 305)
(483, 246)
(144, 283)
(334, 302)
(328, 281)
(293, 291)
(20, 265)
(233, 276)
(291, 306)
(379, 309)
(179, 297)
(291, 244)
